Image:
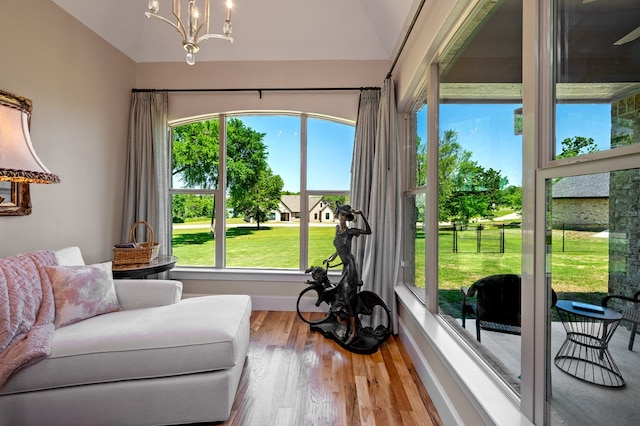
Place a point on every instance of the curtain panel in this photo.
(362, 161)
(380, 162)
(146, 179)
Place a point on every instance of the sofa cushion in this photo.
(69, 256)
(195, 335)
(81, 292)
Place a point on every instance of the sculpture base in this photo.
(366, 341)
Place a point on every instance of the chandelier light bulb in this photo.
(154, 6)
(194, 13)
(226, 28)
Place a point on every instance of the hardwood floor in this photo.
(297, 377)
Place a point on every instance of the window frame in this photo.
(538, 103)
(220, 270)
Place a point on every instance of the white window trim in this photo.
(220, 271)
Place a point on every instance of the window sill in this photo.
(461, 384)
(242, 274)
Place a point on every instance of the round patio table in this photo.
(585, 352)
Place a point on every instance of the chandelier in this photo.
(190, 32)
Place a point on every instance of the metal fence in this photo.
(581, 237)
(490, 238)
(479, 238)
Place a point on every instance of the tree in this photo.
(335, 200)
(246, 158)
(187, 206)
(421, 162)
(466, 189)
(512, 197)
(572, 147)
(452, 160)
(178, 208)
(196, 163)
(257, 201)
(195, 156)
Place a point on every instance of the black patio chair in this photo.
(497, 304)
(629, 307)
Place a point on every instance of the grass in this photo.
(579, 260)
(246, 246)
(579, 266)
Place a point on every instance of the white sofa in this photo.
(159, 360)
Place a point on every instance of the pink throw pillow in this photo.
(81, 292)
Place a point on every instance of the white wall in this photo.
(263, 75)
(80, 87)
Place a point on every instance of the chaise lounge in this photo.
(152, 359)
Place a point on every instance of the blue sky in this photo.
(484, 129)
(329, 150)
(487, 131)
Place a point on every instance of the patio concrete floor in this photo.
(573, 401)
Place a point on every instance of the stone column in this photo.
(624, 203)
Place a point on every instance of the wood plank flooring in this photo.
(294, 376)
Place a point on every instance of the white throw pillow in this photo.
(69, 256)
(81, 292)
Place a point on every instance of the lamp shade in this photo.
(18, 160)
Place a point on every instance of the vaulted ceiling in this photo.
(293, 30)
(263, 30)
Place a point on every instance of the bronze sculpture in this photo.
(347, 304)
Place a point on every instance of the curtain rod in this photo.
(271, 89)
(406, 37)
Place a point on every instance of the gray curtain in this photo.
(381, 258)
(146, 195)
(362, 162)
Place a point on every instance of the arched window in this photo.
(241, 182)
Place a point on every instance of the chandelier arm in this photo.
(202, 24)
(220, 36)
(180, 28)
(179, 25)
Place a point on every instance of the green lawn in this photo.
(579, 261)
(579, 266)
(269, 247)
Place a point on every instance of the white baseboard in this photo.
(274, 303)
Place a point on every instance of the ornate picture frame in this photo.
(18, 201)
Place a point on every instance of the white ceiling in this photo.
(263, 30)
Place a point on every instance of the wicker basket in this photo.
(142, 253)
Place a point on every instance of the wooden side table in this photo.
(160, 264)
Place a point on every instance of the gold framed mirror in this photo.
(15, 199)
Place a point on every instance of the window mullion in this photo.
(431, 208)
(220, 198)
(304, 201)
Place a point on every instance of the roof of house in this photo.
(292, 202)
(582, 186)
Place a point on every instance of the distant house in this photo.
(289, 209)
(581, 201)
(320, 210)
